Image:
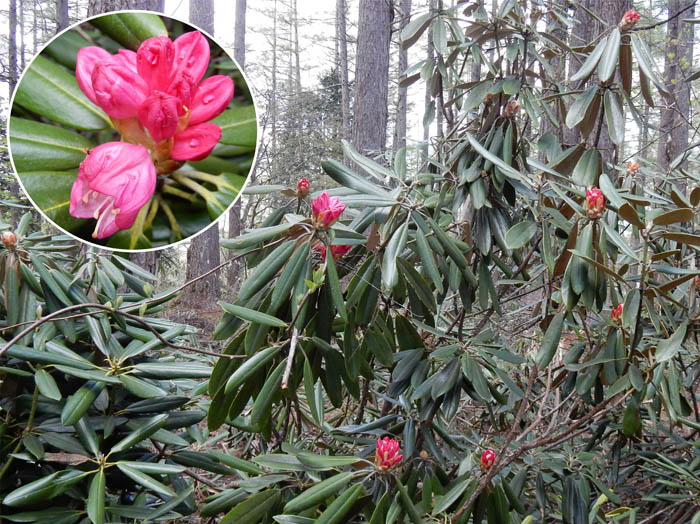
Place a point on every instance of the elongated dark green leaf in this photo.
(44, 489)
(96, 498)
(578, 109)
(318, 493)
(253, 509)
(250, 366)
(394, 247)
(334, 284)
(145, 480)
(142, 433)
(335, 513)
(252, 315)
(79, 402)
(414, 29)
(50, 191)
(611, 54)
(130, 29)
(614, 117)
(589, 64)
(507, 170)
(52, 92)
(46, 384)
(646, 63)
(347, 178)
(550, 341)
(238, 126)
(36, 146)
(520, 234)
(668, 348)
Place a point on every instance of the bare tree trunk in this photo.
(273, 94)
(400, 127)
(580, 36)
(234, 215)
(610, 11)
(96, 7)
(22, 62)
(148, 260)
(62, 20)
(428, 97)
(372, 76)
(342, 43)
(203, 252)
(297, 66)
(673, 124)
(12, 45)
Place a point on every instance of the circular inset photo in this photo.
(132, 131)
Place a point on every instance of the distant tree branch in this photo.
(679, 13)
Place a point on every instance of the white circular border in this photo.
(174, 244)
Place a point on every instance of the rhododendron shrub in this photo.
(515, 317)
(168, 100)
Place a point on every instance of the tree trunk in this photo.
(148, 260)
(12, 45)
(203, 252)
(611, 11)
(234, 215)
(62, 20)
(400, 127)
(297, 64)
(372, 76)
(96, 7)
(428, 98)
(22, 62)
(342, 43)
(673, 124)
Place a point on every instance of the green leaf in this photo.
(250, 366)
(451, 496)
(668, 348)
(336, 511)
(142, 433)
(252, 315)
(334, 284)
(238, 126)
(394, 247)
(96, 498)
(36, 146)
(520, 234)
(47, 385)
(550, 341)
(507, 170)
(414, 29)
(608, 61)
(130, 29)
(146, 481)
(591, 61)
(614, 117)
(79, 402)
(317, 493)
(646, 63)
(348, 178)
(44, 489)
(52, 92)
(253, 509)
(50, 192)
(578, 109)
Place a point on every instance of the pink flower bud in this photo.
(126, 58)
(119, 91)
(336, 251)
(488, 457)
(326, 210)
(183, 87)
(114, 182)
(632, 167)
(160, 114)
(191, 55)
(9, 239)
(154, 61)
(616, 315)
(303, 187)
(594, 204)
(88, 57)
(387, 455)
(213, 96)
(629, 19)
(195, 142)
(512, 107)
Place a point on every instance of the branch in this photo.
(657, 24)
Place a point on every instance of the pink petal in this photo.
(154, 61)
(213, 96)
(119, 91)
(160, 114)
(183, 87)
(191, 55)
(195, 142)
(88, 57)
(126, 58)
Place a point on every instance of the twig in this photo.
(290, 357)
(657, 24)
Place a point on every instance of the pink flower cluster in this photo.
(616, 314)
(594, 205)
(326, 210)
(629, 19)
(303, 187)
(336, 251)
(387, 455)
(158, 101)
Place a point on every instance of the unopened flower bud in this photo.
(594, 205)
(387, 455)
(512, 107)
(632, 167)
(9, 239)
(488, 457)
(616, 314)
(303, 187)
(630, 18)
